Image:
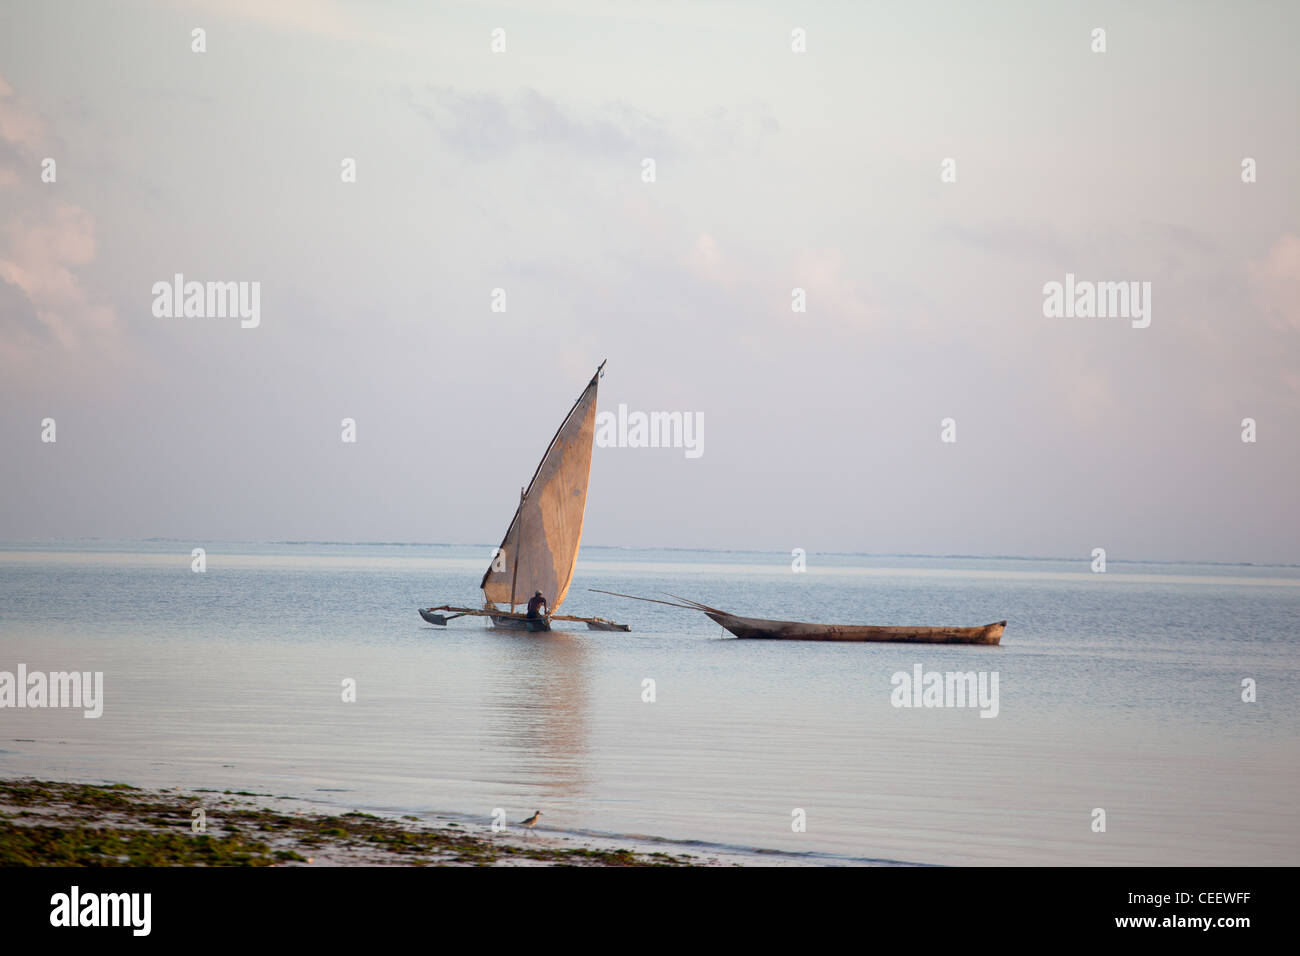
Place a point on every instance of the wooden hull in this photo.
(520, 623)
(752, 627)
(597, 625)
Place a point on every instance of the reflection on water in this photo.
(540, 709)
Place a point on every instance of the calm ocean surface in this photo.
(1119, 691)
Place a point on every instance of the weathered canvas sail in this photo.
(547, 527)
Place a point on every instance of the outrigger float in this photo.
(540, 547)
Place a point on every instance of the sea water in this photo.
(1146, 715)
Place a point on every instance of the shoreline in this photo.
(57, 823)
(74, 823)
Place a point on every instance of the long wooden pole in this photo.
(519, 528)
(689, 607)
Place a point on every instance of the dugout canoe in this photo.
(754, 627)
(763, 629)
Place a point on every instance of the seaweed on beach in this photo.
(48, 823)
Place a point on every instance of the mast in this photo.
(518, 530)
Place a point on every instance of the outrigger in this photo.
(540, 548)
(517, 621)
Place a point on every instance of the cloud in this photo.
(39, 258)
(1013, 240)
(744, 128)
(834, 298)
(45, 303)
(19, 127)
(705, 260)
(1275, 283)
(296, 16)
(485, 125)
(830, 290)
(17, 316)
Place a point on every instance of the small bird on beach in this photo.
(531, 821)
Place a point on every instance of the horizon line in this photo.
(617, 547)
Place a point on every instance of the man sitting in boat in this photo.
(537, 606)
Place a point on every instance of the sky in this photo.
(774, 170)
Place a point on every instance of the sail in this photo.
(547, 527)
